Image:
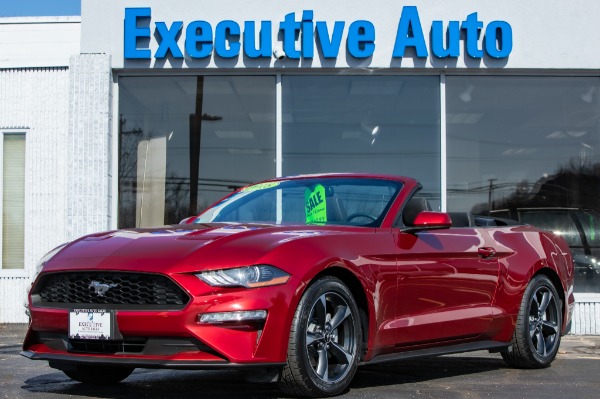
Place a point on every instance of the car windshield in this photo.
(346, 201)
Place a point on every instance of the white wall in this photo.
(586, 315)
(38, 41)
(90, 140)
(547, 34)
(36, 100)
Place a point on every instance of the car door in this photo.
(446, 284)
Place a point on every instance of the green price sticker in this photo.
(315, 204)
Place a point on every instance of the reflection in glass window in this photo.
(523, 142)
(374, 124)
(557, 221)
(587, 261)
(186, 141)
(590, 224)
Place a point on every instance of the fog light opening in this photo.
(232, 317)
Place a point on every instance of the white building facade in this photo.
(144, 112)
(34, 122)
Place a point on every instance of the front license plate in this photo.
(91, 324)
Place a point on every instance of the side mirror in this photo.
(428, 220)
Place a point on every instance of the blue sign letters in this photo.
(133, 32)
(199, 39)
(169, 39)
(228, 38)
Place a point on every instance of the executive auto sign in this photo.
(299, 34)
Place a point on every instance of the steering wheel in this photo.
(360, 214)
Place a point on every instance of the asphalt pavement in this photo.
(574, 374)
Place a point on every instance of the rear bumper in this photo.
(568, 310)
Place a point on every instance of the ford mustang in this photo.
(302, 280)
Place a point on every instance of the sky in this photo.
(37, 8)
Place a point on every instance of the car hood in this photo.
(181, 248)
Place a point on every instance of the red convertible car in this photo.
(302, 279)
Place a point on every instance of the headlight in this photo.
(249, 277)
(42, 262)
(38, 269)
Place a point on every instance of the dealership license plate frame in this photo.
(98, 324)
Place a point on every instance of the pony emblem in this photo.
(100, 289)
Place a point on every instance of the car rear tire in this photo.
(98, 374)
(325, 341)
(537, 334)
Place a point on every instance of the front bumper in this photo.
(62, 361)
(175, 339)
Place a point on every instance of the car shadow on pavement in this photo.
(230, 384)
(425, 369)
(146, 383)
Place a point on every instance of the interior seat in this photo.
(414, 206)
(462, 219)
(336, 212)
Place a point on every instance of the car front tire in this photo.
(98, 374)
(324, 343)
(537, 334)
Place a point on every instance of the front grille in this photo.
(118, 290)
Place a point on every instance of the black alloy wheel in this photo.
(325, 341)
(537, 335)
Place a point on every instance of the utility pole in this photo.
(490, 192)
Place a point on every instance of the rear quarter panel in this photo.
(523, 252)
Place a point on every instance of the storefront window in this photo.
(13, 200)
(370, 124)
(186, 141)
(528, 148)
